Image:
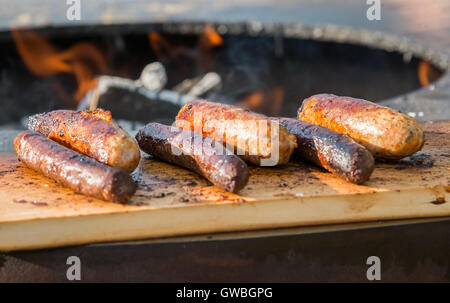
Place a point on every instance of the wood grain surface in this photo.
(36, 212)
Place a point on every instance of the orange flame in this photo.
(427, 73)
(268, 103)
(159, 45)
(201, 54)
(210, 38)
(422, 72)
(42, 59)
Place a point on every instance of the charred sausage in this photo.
(335, 152)
(195, 152)
(76, 171)
(386, 133)
(92, 133)
(253, 136)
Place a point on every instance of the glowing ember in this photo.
(426, 73)
(268, 103)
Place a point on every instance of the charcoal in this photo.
(127, 100)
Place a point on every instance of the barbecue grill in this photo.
(266, 66)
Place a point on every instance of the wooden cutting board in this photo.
(36, 212)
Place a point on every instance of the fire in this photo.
(159, 45)
(210, 38)
(82, 60)
(201, 53)
(253, 101)
(268, 103)
(426, 73)
(207, 41)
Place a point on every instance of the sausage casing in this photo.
(92, 133)
(76, 171)
(386, 133)
(195, 152)
(333, 151)
(254, 137)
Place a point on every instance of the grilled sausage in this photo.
(335, 152)
(92, 133)
(76, 171)
(386, 133)
(254, 137)
(195, 152)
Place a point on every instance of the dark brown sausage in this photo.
(385, 132)
(195, 152)
(335, 152)
(76, 171)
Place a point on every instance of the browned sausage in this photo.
(92, 133)
(195, 152)
(386, 133)
(254, 137)
(335, 152)
(78, 172)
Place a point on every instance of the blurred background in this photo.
(264, 55)
(144, 59)
(427, 20)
